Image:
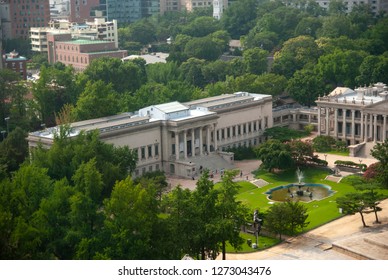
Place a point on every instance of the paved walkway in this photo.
(317, 244)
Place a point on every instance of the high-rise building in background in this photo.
(1, 45)
(18, 16)
(80, 10)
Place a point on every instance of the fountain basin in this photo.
(305, 192)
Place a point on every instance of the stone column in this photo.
(327, 122)
(353, 123)
(200, 141)
(319, 120)
(384, 128)
(208, 139)
(344, 124)
(215, 137)
(374, 127)
(193, 142)
(366, 127)
(335, 122)
(177, 145)
(362, 126)
(185, 144)
(370, 125)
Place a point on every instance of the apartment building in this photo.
(18, 16)
(99, 29)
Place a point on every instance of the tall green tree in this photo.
(380, 152)
(232, 214)
(352, 203)
(274, 154)
(305, 86)
(295, 54)
(14, 150)
(202, 48)
(130, 219)
(239, 17)
(286, 218)
(97, 100)
(206, 214)
(255, 60)
(124, 76)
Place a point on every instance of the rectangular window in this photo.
(228, 132)
(149, 151)
(233, 131)
(143, 153)
(222, 133)
(156, 150)
(244, 128)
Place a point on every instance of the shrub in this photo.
(241, 153)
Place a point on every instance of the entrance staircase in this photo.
(212, 161)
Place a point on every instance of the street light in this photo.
(257, 220)
(360, 160)
(325, 155)
(7, 120)
(3, 132)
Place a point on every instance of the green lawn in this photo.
(264, 243)
(320, 212)
(339, 153)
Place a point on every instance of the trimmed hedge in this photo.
(348, 163)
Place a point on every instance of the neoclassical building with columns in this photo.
(181, 138)
(355, 116)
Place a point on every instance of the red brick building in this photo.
(20, 15)
(80, 52)
(16, 63)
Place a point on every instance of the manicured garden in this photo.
(319, 212)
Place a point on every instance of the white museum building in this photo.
(181, 138)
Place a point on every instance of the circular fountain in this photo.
(299, 191)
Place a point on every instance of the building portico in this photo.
(354, 116)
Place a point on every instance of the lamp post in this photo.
(360, 160)
(3, 132)
(325, 155)
(7, 121)
(257, 220)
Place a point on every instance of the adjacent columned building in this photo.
(355, 116)
(181, 138)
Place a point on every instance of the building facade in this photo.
(18, 16)
(13, 61)
(79, 53)
(181, 138)
(98, 29)
(357, 117)
(79, 10)
(376, 6)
